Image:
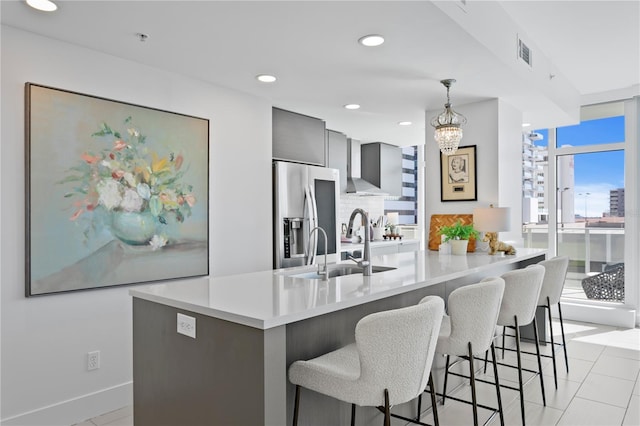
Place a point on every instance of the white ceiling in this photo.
(311, 46)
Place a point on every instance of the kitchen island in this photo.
(249, 328)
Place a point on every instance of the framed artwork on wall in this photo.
(458, 175)
(116, 193)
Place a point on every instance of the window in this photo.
(579, 186)
(407, 205)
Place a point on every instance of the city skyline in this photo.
(596, 174)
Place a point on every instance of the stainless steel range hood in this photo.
(355, 184)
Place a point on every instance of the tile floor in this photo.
(601, 387)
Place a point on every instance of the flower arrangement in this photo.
(127, 176)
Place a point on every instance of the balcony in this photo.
(589, 249)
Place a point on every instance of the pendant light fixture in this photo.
(448, 125)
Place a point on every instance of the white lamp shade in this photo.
(492, 219)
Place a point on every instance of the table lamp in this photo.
(491, 220)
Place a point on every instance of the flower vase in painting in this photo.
(140, 189)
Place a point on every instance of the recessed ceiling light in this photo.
(526, 124)
(352, 106)
(44, 5)
(404, 123)
(371, 40)
(266, 78)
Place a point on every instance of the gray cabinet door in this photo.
(297, 137)
(337, 155)
(382, 166)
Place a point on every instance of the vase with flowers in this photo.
(139, 189)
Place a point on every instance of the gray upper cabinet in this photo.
(382, 166)
(297, 137)
(337, 155)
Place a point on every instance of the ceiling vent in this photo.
(525, 53)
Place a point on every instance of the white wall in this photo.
(45, 339)
(496, 129)
(510, 169)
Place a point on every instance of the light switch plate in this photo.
(187, 325)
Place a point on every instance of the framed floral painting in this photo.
(116, 193)
(458, 175)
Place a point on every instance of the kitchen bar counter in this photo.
(272, 298)
(249, 328)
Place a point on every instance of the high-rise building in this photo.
(616, 202)
(536, 189)
(534, 165)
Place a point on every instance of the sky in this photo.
(595, 173)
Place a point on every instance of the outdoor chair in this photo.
(608, 285)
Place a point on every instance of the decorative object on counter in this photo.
(458, 175)
(391, 229)
(458, 236)
(492, 220)
(343, 234)
(378, 232)
(439, 220)
(444, 247)
(496, 246)
(116, 205)
(392, 237)
(448, 125)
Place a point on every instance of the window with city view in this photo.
(588, 198)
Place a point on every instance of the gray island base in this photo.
(249, 328)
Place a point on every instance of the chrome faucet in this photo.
(365, 262)
(322, 271)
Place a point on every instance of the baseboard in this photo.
(617, 316)
(76, 410)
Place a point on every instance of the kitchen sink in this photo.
(340, 270)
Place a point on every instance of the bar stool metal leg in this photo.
(387, 413)
(520, 385)
(295, 407)
(553, 344)
(564, 343)
(535, 334)
(432, 388)
(473, 387)
(495, 375)
(353, 414)
(446, 377)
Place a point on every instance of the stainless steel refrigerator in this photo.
(304, 197)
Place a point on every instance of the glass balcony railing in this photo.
(590, 250)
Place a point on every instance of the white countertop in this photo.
(272, 298)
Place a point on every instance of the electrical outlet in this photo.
(187, 325)
(93, 360)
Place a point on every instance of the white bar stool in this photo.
(390, 362)
(468, 332)
(519, 303)
(552, 285)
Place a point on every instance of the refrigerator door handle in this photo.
(314, 223)
(309, 219)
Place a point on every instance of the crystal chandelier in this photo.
(448, 125)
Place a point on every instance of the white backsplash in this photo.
(373, 205)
